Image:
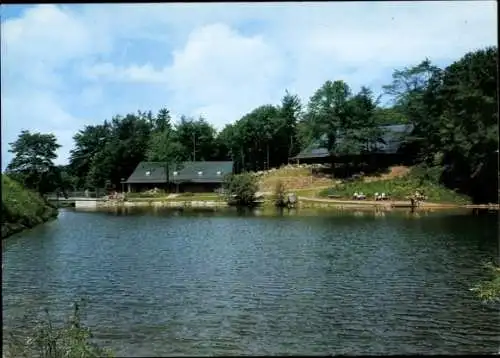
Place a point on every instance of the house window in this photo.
(200, 173)
(176, 173)
(148, 173)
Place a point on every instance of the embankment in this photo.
(22, 208)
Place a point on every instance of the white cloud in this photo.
(65, 66)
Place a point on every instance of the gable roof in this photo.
(393, 137)
(194, 172)
(201, 172)
(148, 172)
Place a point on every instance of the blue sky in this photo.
(66, 66)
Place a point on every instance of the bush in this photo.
(425, 173)
(279, 194)
(489, 289)
(240, 189)
(21, 206)
(48, 341)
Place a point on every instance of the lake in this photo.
(168, 283)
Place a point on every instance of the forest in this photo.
(453, 110)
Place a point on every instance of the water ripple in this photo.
(218, 285)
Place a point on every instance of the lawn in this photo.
(397, 189)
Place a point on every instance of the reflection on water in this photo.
(211, 282)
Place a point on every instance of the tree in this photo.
(241, 188)
(468, 124)
(360, 130)
(328, 112)
(197, 138)
(88, 142)
(290, 111)
(412, 91)
(33, 160)
(390, 116)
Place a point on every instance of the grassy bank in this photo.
(22, 208)
(397, 188)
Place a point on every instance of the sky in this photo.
(67, 66)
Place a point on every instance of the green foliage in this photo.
(241, 188)
(88, 142)
(397, 189)
(455, 113)
(489, 289)
(163, 147)
(33, 160)
(46, 340)
(425, 173)
(21, 207)
(195, 138)
(328, 112)
(389, 116)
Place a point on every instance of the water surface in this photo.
(164, 283)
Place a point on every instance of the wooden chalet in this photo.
(387, 152)
(179, 177)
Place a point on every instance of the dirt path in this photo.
(388, 203)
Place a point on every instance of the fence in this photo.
(78, 194)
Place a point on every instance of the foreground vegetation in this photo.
(47, 340)
(489, 289)
(22, 208)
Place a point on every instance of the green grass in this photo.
(47, 340)
(398, 189)
(146, 195)
(181, 197)
(22, 208)
(197, 197)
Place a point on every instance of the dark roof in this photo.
(148, 172)
(201, 172)
(195, 172)
(393, 136)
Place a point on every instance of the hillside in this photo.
(398, 181)
(22, 208)
(293, 177)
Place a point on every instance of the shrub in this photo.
(489, 289)
(22, 206)
(425, 173)
(279, 194)
(49, 341)
(240, 189)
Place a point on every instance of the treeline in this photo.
(453, 111)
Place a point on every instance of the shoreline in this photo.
(303, 202)
(9, 229)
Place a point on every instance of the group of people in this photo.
(361, 196)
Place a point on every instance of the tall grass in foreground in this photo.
(48, 341)
(489, 289)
